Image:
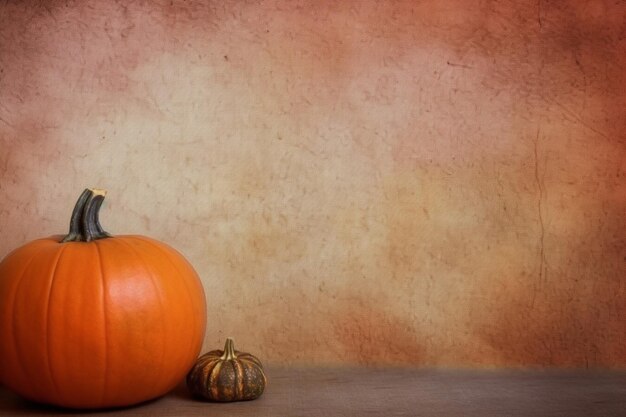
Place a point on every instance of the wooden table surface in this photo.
(331, 392)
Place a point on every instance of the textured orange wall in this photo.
(425, 183)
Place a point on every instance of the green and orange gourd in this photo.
(90, 320)
(227, 375)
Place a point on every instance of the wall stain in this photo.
(372, 335)
(576, 317)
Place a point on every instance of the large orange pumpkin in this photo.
(94, 321)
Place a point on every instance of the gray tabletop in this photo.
(392, 392)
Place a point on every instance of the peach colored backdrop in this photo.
(409, 182)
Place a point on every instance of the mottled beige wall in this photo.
(420, 182)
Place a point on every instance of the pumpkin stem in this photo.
(229, 350)
(85, 222)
